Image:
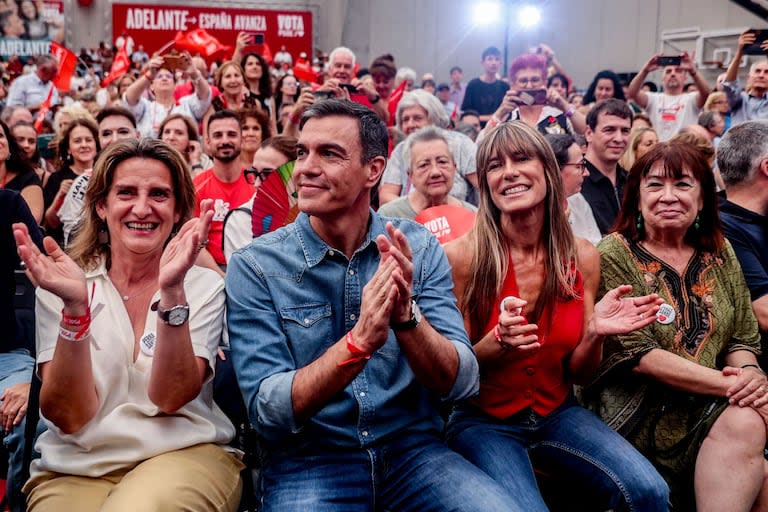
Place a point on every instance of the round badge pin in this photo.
(503, 303)
(147, 344)
(666, 314)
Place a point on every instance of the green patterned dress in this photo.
(713, 317)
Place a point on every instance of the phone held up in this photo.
(533, 96)
(761, 35)
(668, 60)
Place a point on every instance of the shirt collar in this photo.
(315, 249)
(742, 213)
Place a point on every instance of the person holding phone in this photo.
(752, 105)
(672, 109)
(529, 100)
(159, 77)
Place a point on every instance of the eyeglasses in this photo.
(580, 166)
(252, 173)
(534, 80)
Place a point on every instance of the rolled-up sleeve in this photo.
(262, 360)
(194, 107)
(438, 305)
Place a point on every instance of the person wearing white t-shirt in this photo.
(672, 109)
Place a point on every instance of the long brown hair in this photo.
(86, 249)
(490, 260)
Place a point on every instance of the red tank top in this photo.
(537, 380)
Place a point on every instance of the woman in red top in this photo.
(527, 290)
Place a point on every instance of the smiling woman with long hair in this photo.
(527, 290)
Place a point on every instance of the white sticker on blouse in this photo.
(147, 344)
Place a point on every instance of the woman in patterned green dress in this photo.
(687, 390)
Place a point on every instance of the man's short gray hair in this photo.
(435, 112)
(341, 49)
(426, 134)
(741, 150)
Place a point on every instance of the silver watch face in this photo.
(178, 315)
(415, 312)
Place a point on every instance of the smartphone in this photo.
(349, 87)
(760, 37)
(668, 60)
(173, 62)
(533, 96)
(43, 142)
(256, 37)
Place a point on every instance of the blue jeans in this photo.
(571, 442)
(415, 472)
(15, 368)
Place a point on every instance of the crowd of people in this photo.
(603, 322)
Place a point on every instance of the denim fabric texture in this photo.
(15, 368)
(290, 297)
(572, 444)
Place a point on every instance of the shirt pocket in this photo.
(309, 328)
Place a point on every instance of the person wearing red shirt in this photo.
(224, 182)
(527, 290)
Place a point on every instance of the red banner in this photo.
(67, 61)
(120, 65)
(153, 26)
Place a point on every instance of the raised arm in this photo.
(68, 395)
(137, 88)
(635, 86)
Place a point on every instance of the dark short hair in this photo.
(606, 74)
(562, 78)
(260, 116)
(675, 157)
(491, 51)
(611, 107)
(222, 114)
(116, 111)
(651, 86)
(455, 68)
(560, 143)
(372, 130)
(468, 112)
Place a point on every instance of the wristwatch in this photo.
(412, 322)
(174, 316)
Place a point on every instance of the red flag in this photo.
(455, 113)
(394, 100)
(45, 106)
(120, 66)
(302, 70)
(200, 41)
(67, 61)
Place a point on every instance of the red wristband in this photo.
(357, 353)
(76, 321)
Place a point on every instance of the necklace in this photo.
(128, 297)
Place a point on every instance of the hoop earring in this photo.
(639, 224)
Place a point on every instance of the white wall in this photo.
(433, 35)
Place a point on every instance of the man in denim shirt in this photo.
(340, 371)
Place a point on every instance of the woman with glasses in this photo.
(238, 225)
(287, 92)
(528, 100)
(718, 102)
(573, 170)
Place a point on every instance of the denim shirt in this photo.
(290, 297)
